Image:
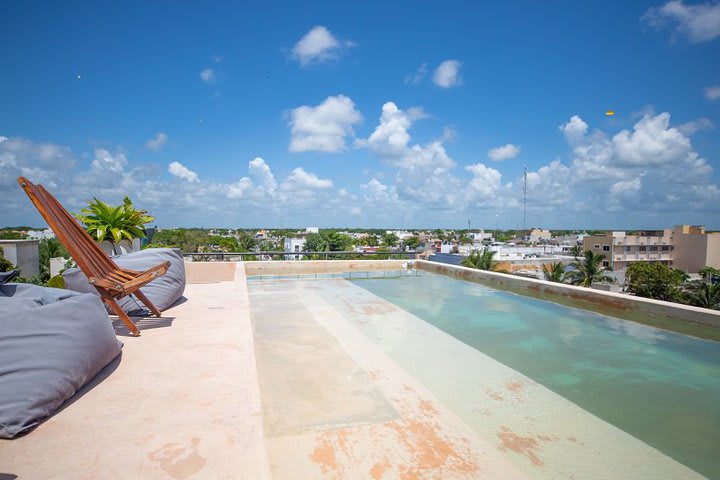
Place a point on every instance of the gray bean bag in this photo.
(163, 291)
(52, 342)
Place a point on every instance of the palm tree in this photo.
(576, 251)
(706, 295)
(554, 272)
(481, 260)
(588, 270)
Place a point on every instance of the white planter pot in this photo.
(122, 248)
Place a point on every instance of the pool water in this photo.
(660, 387)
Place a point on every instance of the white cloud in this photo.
(505, 152)
(574, 130)
(391, 138)
(260, 171)
(208, 75)
(107, 162)
(416, 77)
(626, 187)
(652, 142)
(651, 168)
(318, 46)
(323, 128)
(158, 142)
(700, 22)
(694, 126)
(712, 92)
(485, 182)
(300, 180)
(447, 74)
(181, 171)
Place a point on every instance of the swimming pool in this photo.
(659, 386)
(557, 391)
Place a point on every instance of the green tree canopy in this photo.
(412, 242)
(390, 239)
(655, 280)
(327, 241)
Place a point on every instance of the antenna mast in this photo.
(524, 197)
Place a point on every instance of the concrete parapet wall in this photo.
(320, 266)
(699, 322)
(209, 272)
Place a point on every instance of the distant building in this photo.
(40, 234)
(294, 244)
(695, 249)
(688, 248)
(480, 236)
(24, 254)
(538, 235)
(312, 230)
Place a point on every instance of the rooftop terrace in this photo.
(279, 380)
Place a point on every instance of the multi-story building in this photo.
(294, 244)
(685, 247)
(695, 249)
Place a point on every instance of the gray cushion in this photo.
(163, 291)
(52, 342)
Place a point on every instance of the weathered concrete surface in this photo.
(183, 402)
(700, 322)
(336, 406)
(301, 267)
(543, 434)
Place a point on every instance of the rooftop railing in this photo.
(300, 256)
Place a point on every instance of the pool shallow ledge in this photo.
(686, 319)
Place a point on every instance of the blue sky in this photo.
(366, 115)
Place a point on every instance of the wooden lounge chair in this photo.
(111, 281)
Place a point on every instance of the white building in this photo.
(480, 236)
(312, 230)
(41, 234)
(294, 244)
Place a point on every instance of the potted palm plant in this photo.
(118, 229)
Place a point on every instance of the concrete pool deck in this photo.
(316, 379)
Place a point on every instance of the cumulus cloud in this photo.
(699, 23)
(105, 161)
(626, 187)
(447, 74)
(712, 92)
(179, 170)
(158, 142)
(504, 152)
(416, 77)
(300, 180)
(323, 128)
(317, 46)
(655, 163)
(208, 75)
(391, 142)
(574, 130)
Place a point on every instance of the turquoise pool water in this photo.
(659, 386)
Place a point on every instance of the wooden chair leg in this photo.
(123, 316)
(141, 296)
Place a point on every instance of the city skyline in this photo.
(382, 117)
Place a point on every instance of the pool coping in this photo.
(699, 322)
